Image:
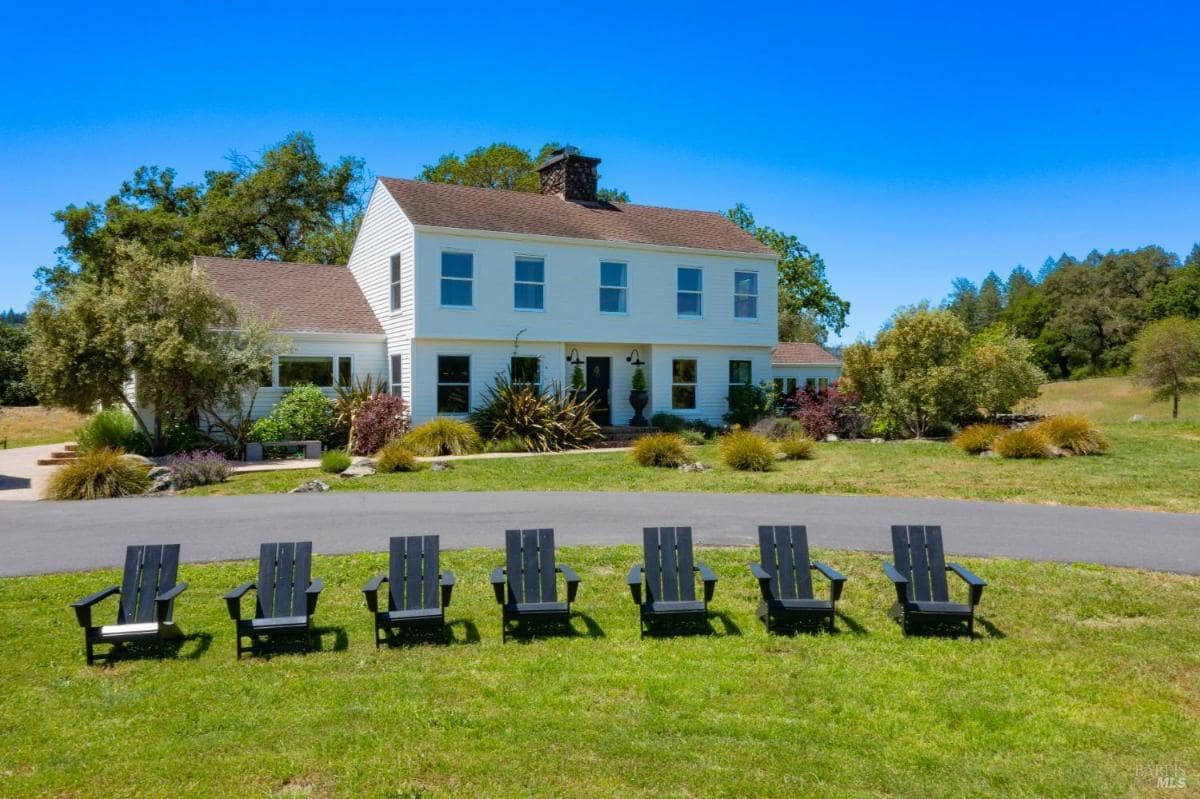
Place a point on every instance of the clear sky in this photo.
(907, 145)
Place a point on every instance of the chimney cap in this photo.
(563, 153)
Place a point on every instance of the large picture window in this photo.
(683, 384)
(529, 284)
(745, 295)
(458, 276)
(454, 384)
(525, 370)
(396, 297)
(614, 284)
(297, 369)
(689, 297)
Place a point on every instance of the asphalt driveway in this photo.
(40, 537)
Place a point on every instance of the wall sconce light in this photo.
(574, 358)
(635, 358)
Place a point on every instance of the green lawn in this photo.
(1081, 680)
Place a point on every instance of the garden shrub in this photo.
(304, 414)
(379, 419)
(831, 411)
(660, 449)
(102, 473)
(1074, 433)
(778, 428)
(1025, 443)
(442, 436)
(199, 468)
(797, 448)
(668, 422)
(693, 437)
(747, 451)
(335, 461)
(748, 404)
(395, 458)
(547, 420)
(108, 429)
(978, 437)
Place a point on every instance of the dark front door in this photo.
(599, 386)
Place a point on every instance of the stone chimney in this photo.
(570, 175)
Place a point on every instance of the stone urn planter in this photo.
(639, 397)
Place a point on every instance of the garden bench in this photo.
(785, 579)
(254, 449)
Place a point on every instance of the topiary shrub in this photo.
(335, 461)
(100, 474)
(660, 449)
(379, 419)
(548, 421)
(797, 448)
(1074, 433)
(778, 428)
(747, 451)
(109, 429)
(1026, 443)
(668, 422)
(304, 414)
(395, 458)
(978, 437)
(199, 469)
(443, 436)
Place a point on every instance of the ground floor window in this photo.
(454, 384)
(397, 374)
(297, 369)
(525, 370)
(345, 370)
(785, 387)
(683, 384)
(739, 377)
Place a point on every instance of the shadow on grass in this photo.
(953, 629)
(846, 625)
(528, 629)
(187, 647)
(700, 625)
(299, 643)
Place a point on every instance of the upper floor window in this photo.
(529, 284)
(525, 370)
(683, 384)
(614, 283)
(745, 295)
(690, 291)
(458, 274)
(395, 263)
(454, 383)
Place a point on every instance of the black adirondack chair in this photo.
(919, 575)
(418, 592)
(669, 578)
(287, 597)
(527, 585)
(785, 579)
(145, 612)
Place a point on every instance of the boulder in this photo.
(160, 485)
(363, 470)
(311, 487)
(361, 461)
(159, 471)
(1138, 417)
(831, 437)
(695, 467)
(129, 456)
(876, 440)
(987, 453)
(441, 466)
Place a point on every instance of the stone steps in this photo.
(69, 452)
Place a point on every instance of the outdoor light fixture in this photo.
(574, 358)
(635, 358)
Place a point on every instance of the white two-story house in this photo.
(454, 285)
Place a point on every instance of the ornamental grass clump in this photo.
(660, 449)
(1074, 433)
(797, 448)
(199, 469)
(747, 452)
(443, 436)
(395, 458)
(978, 438)
(335, 461)
(110, 429)
(1026, 443)
(546, 420)
(100, 474)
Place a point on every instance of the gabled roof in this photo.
(300, 298)
(469, 208)
(797, 353)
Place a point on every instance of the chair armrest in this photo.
(710, 580)
(233, 600)
(447, 587)
(970, 579)
(837, 580)
(498, 583)
(572, 579)
(313, 593)
(635, 583)
(764, 580)
(371, 591)
(162, 602)
(83, 607)
(899, 580)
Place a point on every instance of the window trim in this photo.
(517, 256)
(736, 295)
(699, 294)
(601, 286)
(396, 282)
(469, 281)
(437, 383)
(695, 386)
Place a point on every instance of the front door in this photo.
(599, 386)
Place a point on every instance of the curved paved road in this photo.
(52, 536)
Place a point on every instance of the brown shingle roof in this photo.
(791, 353)
(470, 208)
(301, 298)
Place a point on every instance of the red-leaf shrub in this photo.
(823, 412)
(382, 418)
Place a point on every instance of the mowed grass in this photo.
(28, 427)
(1083, 681)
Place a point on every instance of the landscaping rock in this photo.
(987, 453)
(1138, 417)
(311, 487)
(695, 467)
(441, 466)
(831, 437)
(362, 470)
(129, 456)
(161, 485)
(159, 471)
(361, 461)
(876, 440)
(1058, 452)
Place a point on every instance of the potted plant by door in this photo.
(639, 397)
(578, 383)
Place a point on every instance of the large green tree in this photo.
(805, 296)
(500, 166)
(1167, 358)
(15, 388)
(1180, 295)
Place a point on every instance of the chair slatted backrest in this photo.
(149, 571)
(669, 566)
(919, 557)
(784, 552)
(529, 561)
(283, 578)
(414, 573)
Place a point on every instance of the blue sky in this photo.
(906, 145)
